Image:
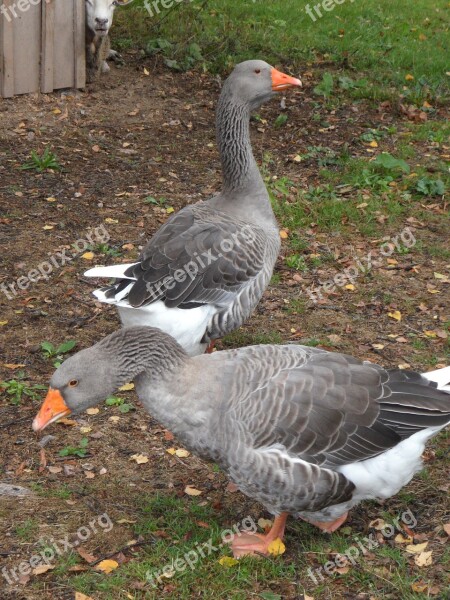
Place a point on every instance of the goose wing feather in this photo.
(214, 254)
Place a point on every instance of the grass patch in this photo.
(380, 41)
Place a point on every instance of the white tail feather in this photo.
(113, 271)
(441, 377)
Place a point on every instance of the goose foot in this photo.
(210, 348)
(329, 526)
(257, 544)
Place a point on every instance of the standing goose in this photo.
(204, 271)
(303, 431)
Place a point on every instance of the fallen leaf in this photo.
(51, 199)
(283, 234)
(377, 524)
(54, 470)
(400, 539)
(170, 210)
(391, 261)
(47, 227)
(232, 487)
(447, 528)
(95, 148)
(126, 387)
(92, 411)
(228, 561)
(409, 77)
(42, 569)
(416, 548)
(85, 429)
(192, 491)
(439, 276)
(122, 521)
(424, 559)
(265, 524)
(111, 221)
(12, 366)
(419, 586)
(350, 286)
(139, 458)
(2, 323)
(107, 565)
(89, 558)
(373, 144)
(88, 255)
(276, 547)
(378, 346)
(114, 419)
(146, 72)
(80, 596)
(396, 314)
(69, 422)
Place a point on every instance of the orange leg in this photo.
(246, 544)
(329, 526)
(210, 348)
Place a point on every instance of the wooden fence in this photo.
(42, 45)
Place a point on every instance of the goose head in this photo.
(254, 82)
(82, 381)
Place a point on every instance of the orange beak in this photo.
(281, 81)
(53, 409)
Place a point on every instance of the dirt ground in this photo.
(126, 138)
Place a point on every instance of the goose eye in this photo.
(73, 382)
(257, 71)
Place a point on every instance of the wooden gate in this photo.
(42, 45)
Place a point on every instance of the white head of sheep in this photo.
(99, 14)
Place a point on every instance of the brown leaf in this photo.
(42, 569)
(192, 491)
(89, 558)
(80, 596)
(424, 559)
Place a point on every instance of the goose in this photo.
(204, 271)
(304, 431)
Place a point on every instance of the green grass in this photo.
(380, 41)
(241, 337)
(27, 530)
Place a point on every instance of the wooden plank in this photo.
(47, 43)
(6, 53)
(63, 64)
(79, 44)
(27, 48)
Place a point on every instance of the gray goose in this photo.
(304, 431)
(204, 271)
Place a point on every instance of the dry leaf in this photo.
(107, 565)
(373, 144)
(122, 521)
(265, 524)
(88, 255)
(139, 458)
(85, 429)
(400, 539)
(447, 528)
(80, 596)
(424, 559)
(95, 148)
(377, 524)
(418, 586)
(42, 569)
(46, 227)
(228, 561)
(146, 72)
(396, 314)
(182, 453)
(126, 387)
(284, 234)
(92, 411)
(12, 366)
(350, 286)
(416, 548)
(89, 558)
(111, 221)
(54, 469)
(409, 77)
(378, 346)
(276, 547)
(69, 422)
(114, 419)
(192, 491)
